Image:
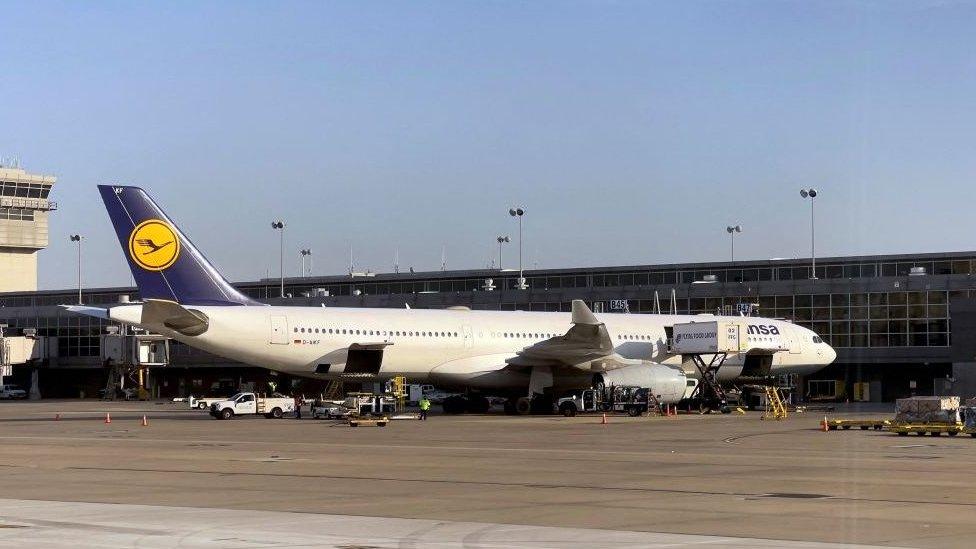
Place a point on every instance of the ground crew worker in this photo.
(424, 407)
(298, 406)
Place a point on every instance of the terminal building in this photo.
(901, 324)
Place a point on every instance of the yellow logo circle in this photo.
(153, 245)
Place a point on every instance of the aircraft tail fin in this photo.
(165, 264)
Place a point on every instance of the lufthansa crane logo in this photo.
(153, 245)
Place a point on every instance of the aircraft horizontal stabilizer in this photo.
(172, 315)
(96, 312)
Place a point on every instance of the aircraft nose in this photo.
(830, 354)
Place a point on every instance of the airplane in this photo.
(517, 354)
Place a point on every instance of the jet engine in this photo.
(666, 382)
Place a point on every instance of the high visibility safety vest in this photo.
(425, 404)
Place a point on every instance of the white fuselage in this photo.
(449, 347)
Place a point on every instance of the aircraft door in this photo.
(792, 340)
(468, 336)
(279, 330)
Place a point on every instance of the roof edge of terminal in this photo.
(495, 273)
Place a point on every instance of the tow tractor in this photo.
(633, 401)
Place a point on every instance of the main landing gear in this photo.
(523, 406)
(472, 404)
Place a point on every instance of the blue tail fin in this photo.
(165, 264)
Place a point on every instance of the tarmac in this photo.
(187, 480)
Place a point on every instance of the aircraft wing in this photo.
(586, 340)
(370, 346)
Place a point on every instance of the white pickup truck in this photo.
(250, 404)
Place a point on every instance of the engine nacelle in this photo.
(666, 382)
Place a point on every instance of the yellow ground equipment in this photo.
(920, 429)
(373, 421)
(335, 391)
(775, 407)
(862, 424)
(400, 392)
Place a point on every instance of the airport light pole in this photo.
(519, 211)
(77, 238)
(306, 253)
(811, 194)
(279, 225)
(501, 240)
(732, 230)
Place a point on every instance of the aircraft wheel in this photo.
(509, 407)
(542, 404)
(478, 404)
(523, 406)
(455, 404)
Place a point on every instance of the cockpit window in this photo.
(816, 339)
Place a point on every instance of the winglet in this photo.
(583, 315)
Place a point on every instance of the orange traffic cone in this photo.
(108, 417)
(825, 426)
(145, 421)
(604, 422)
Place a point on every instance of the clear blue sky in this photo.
(633, 132)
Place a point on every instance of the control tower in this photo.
(24, 207)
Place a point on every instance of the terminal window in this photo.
(17, 214)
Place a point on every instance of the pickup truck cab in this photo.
(251, 404)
